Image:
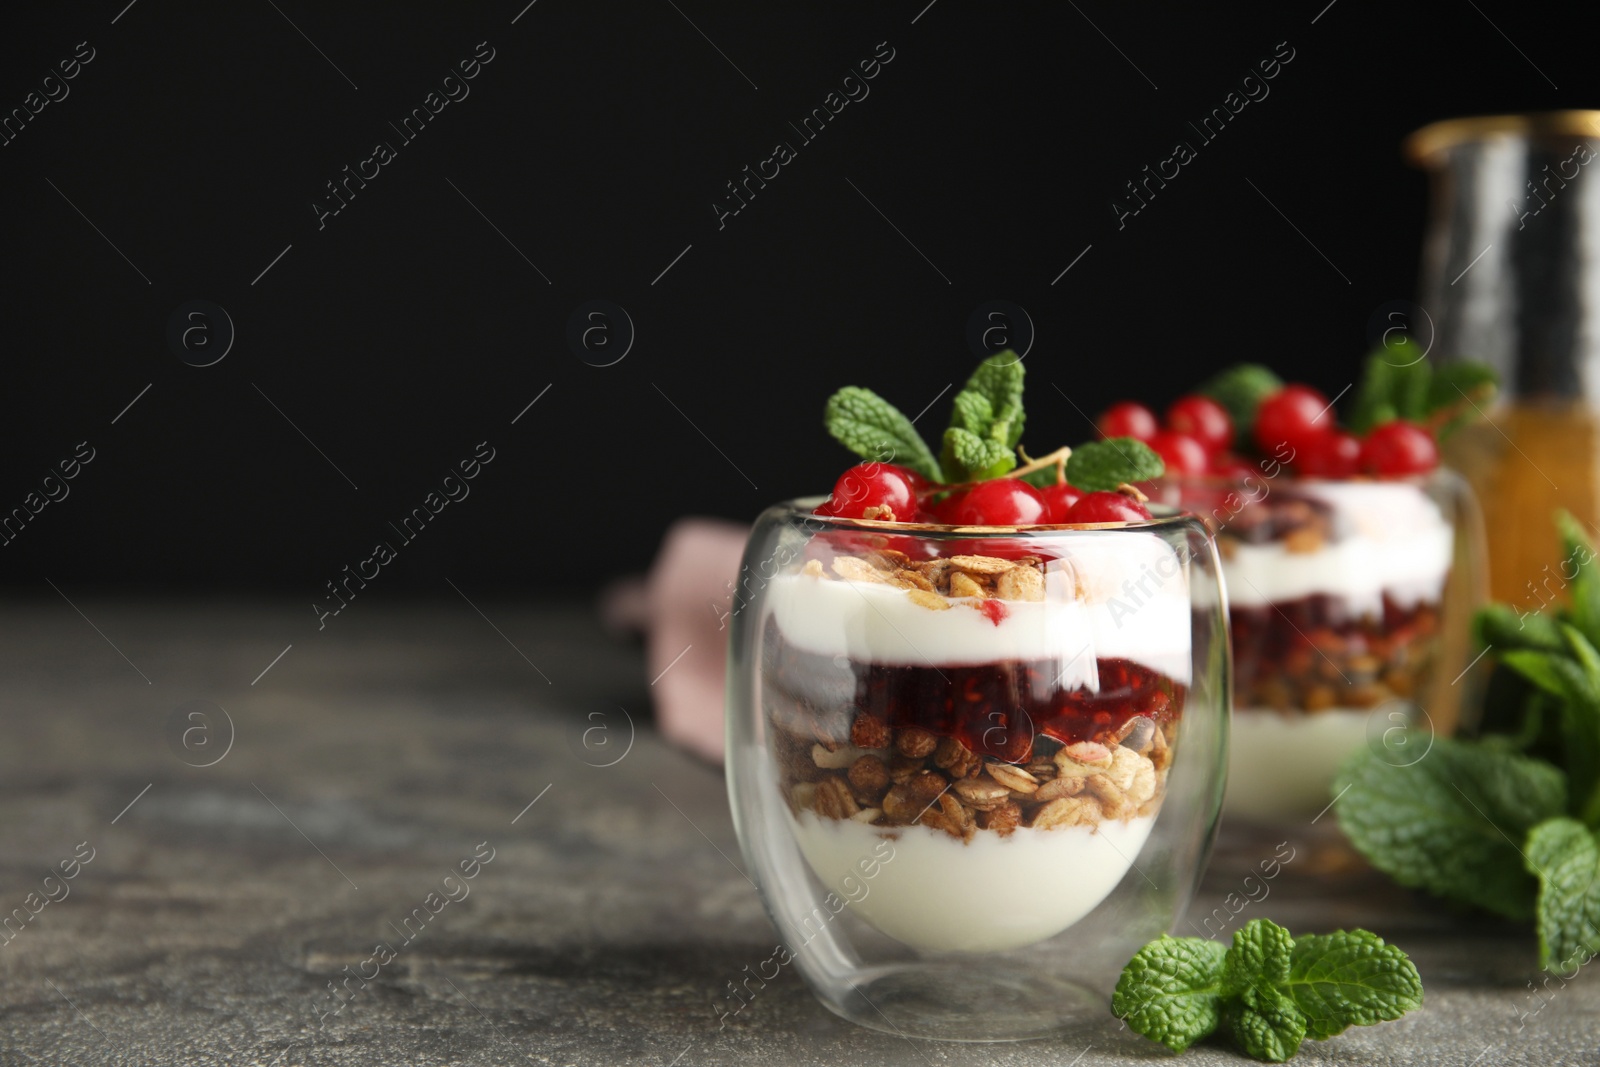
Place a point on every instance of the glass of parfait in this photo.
(1352, 565)
(1349, 602)
(974, 768)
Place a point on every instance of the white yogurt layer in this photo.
(1095, 607)
(990, 894)
(1282, 765)
(1394, 540)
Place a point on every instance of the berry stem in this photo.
(1056, 459)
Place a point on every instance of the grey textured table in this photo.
(375, 756)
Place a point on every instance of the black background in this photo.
(408, 330)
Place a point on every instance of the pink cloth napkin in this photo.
(683, 608)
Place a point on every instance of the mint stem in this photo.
(1591, 810)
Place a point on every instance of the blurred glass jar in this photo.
(1511, 278)
(973, 770)
(1349, 605)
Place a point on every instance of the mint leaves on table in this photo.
(1507, 821)
(1171, 991)
(1350, 978)
(1453, 821)
(982, 440)
(1270, 989)
(1567, 859)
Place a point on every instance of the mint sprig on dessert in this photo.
(874, 429)
(1506, 821)
(1240, 390)
(982, 476)
(985, 422)
(1269, 989)
(1399, 383)
(1101, 466)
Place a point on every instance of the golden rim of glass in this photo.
(801, 509)
(1423, 146)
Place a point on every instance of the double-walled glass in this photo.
(1350, 604)
(973, 770)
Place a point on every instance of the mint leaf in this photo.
(874, 429)
(1575, 682)
(1551, 671)
(1170, 990)
(1259, 956)
(1373, 403)
(986, 422)
(1501, 627)
(1394, 385)
(998, 380)
(1450, 823)
(1455, 394)
(1453, 383)
(1240, 390)
(1411, 388)
(1350, 978)
(1580, 727)
(1266, 1024)
(1101, 466)
(1578, 567)
(972, 413)
(1564, 855)
(1584, 654)
(970, 458)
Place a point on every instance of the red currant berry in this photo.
(919, 484)
(1108, 507)
(1127, 419)
(1001, 502)
(1058, 500)
(1334, 455)
(1203, 419)
(945, 510)
(1398, 448)
(873, 485)
(1293, 416)
(1181, 453)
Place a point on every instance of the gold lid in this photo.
(1423, 145)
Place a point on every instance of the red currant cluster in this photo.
(885, 491)
(1198, 438)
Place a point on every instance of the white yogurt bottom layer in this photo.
(990, 894)
(1282, 765)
